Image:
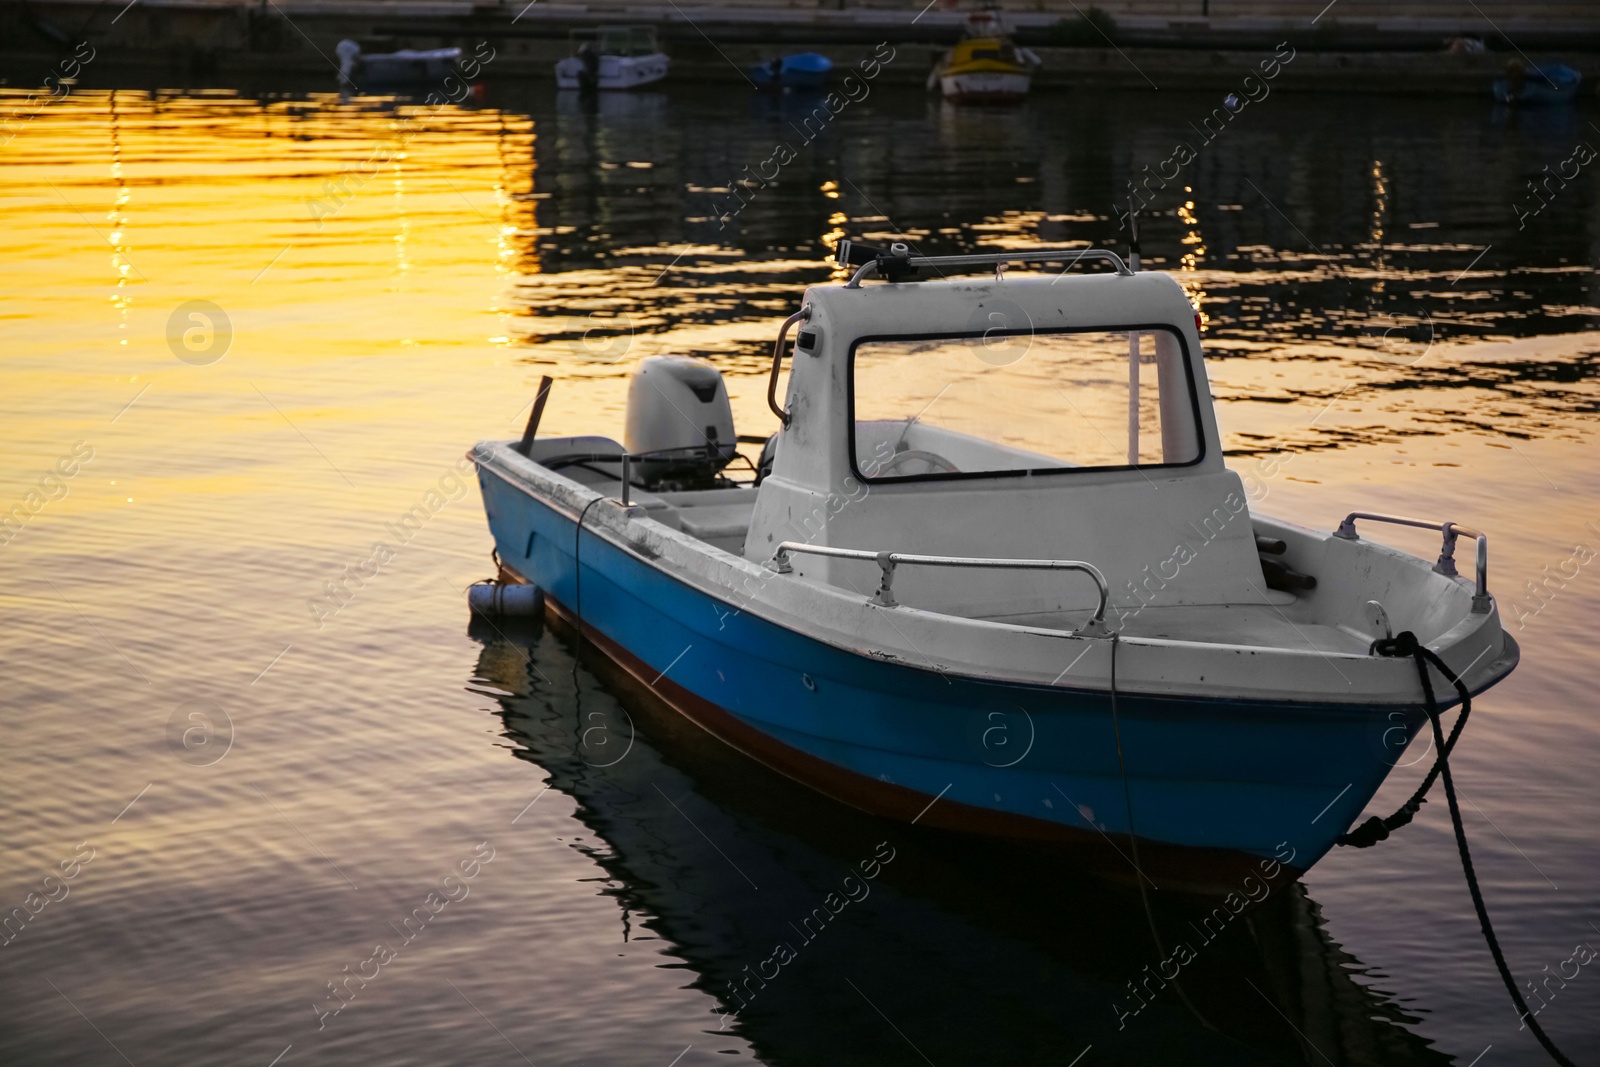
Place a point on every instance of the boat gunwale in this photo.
(617, 539)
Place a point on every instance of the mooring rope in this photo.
(1133, 841)
(1127, 793)
(577, 582)
(1375, 829)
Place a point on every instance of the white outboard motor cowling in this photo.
(679, 422)
(349, 53)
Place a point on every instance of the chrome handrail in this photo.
(777, 360)
(1446, 563)
(887, 561)
(1072, 256)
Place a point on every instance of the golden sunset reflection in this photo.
(260, 329)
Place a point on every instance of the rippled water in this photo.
(250, 790)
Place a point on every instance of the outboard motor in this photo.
(349, 53)
(679, 423)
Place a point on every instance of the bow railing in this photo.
(1446, 563)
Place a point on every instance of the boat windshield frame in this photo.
(966, 50)
(1185, 357)
(629, 42)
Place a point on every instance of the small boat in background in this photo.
(803, 71)
(1550, 83)
(985, 67)
(614, 57)
(394, 68)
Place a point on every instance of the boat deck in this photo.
(721, 517)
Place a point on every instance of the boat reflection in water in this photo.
(832, 937)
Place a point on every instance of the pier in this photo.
(1346, 46)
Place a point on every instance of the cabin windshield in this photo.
(629, 41)
(617, 40)
(1010, 402)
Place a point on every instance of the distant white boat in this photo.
(389, 68)
(616, 57)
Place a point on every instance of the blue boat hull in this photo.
(1217, 789)
(806, 72)
(1542, 85)
(393, 70)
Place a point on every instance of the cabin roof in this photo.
(1023, 301)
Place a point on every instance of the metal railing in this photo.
(897, 259)
(777, 361)
(1446, 563)
(888, 561)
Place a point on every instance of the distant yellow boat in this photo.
(985, 66)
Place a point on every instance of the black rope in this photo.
(577, 581)
(1127, 794)
(1375, 829)
(1406, 644)
(1133, 840)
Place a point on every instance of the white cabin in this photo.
(992, 418)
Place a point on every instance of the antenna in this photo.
(1133, 240)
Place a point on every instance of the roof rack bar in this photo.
(898, 260)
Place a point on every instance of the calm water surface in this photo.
(257, 796)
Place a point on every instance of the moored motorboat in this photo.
(402, 67)
(986, 66)
(993, 575)
(614, 57)
(1548, 83)
(800, 72)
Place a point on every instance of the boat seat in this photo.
(720, 521)
(654, 505)
(720, 517)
